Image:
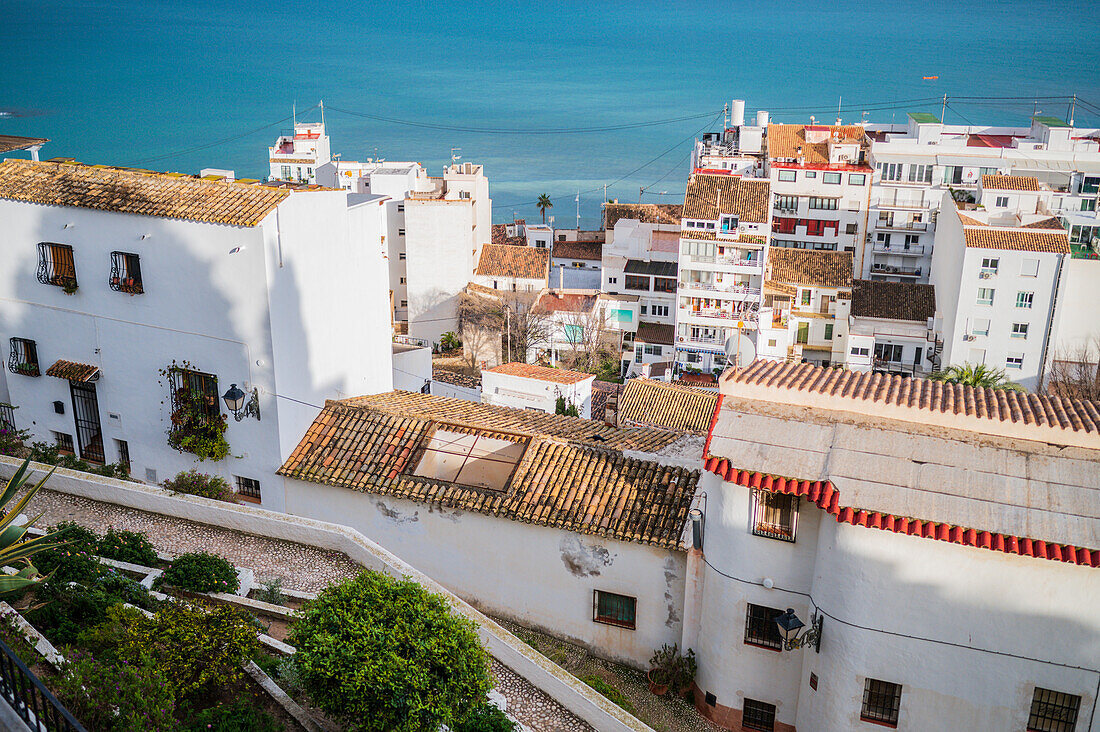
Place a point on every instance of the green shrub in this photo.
(239, 716)
(450, 341)
(45, 452)
(134, 696)
(288, 676)
(194, 483)
(610, 692)
(485, 718)
(201, 572)
(203, 649)
(383, 654)
(104, 638)
(63, 610)
(127, 546)
(272, 592)
(77, 536)
(12, 441)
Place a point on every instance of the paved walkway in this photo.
(300, 567)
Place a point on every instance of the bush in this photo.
(272, 592)
(240, 716)
(63, 610)
(194, 483)
(485, 718)
(201, 572)
(383, 654)
(204, 650)
(127, 546)
(288, 676)
(123, 697)
(449, 341)
(11, 442)
(45, 452)
(610, 692)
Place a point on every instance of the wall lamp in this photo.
(790, 627)
(235, 400)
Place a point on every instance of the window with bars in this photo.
(248, 489)
(24, 357)
(56, 265)
(123, 448)
(1053, 711)
(760, 627)
(758, 715)
(881, 702)
(613, 609)
(7, 416)
(64, 443)
(190, 388)
(1025, 299)
(774, 515)
(126, 273)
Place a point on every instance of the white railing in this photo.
(890, 249)
(737, 262)
(733, 289)
(748, 317)
(910, 226)
(897, 201)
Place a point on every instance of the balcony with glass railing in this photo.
(912, 250)
(889, 269)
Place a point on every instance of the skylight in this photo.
(472, 460)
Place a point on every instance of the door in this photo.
(89, 432)
(803, 334)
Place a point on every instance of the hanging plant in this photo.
(196, 426)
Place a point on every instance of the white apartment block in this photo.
(891, 328)
(295, 157)
(134, 301)
(537, 388)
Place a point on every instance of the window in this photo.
(831, 179)
(400, 207)
(24, 357)
(1014, 361)
(464, 194)
(469, 459)
(660, 311)
(7, 416)
(810, 173)
(860, 351)
(694, 358)
(607, 607)
(824, 204)
(1025, 299)
(758, 715)
(653, 350)
(881, 702)
(248, 489)
(857, 179)
(578, 264)
(760, 627)
(989, 266)
(1090, 184)
(1088, 204)
(981, 327)
(402, 280)
(985, 296)
(194, 387)
(636, 282)
(952, 174)
(637, 354)
(891, 353)
(404, 303)
(1029, 268)
(1053, 711)
(56, 265)
(729, 223)
(774, 515)
(786, 203)
(851, 228)
(401, 232)
(126, 273)
(1019, 330)
(123, 449)
(828, 331)
(806, 295)
(802, 335)
(664, 284)
(1001, 202)
(401, 256)
(920, 173)
(612, 280)
(788, 176)
(64, 443)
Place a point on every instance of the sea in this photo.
(561, 98)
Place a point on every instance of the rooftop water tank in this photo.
(737, 112)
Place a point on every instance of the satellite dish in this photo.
(740, 350)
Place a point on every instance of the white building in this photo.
(891, 328)
(513, 268)
(132, 301)
(538, 388)
(577, 265)
(297, 156)
(574, 321)
(997, 274)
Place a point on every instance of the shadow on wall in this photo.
(436, 313)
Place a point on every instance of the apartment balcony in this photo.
(733, 290)
(903, 226)
(902, 199)
(912, 250)
(721, 314)
(889, 269)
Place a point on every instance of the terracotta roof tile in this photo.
(784, 141)
(542, 373)
(1048, 223)
(529, 263)
(499, 235)
(662, 334)
(650, 213)
(372, 444)
(1010, 183)
(808, 267)
(583, 250)
(969, 221)
(708, 196)
(73, 371)
(455, 379)
(9, 143)
(137, 192)
(989, 237)
(668, 406)
(893, 300)
(554, 301)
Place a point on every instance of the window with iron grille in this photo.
(56, 265)
(64, 443)
(758, 715)
(194, 387)
(7, 416)
(607, 607)
(126, 273)
(248, 488)
(123, 448)
(1053, 711)
(24, 357)
(881, 702)
(760, 627)
(774, 515)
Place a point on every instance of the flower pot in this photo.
(656, 686)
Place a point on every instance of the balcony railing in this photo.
(912, 250)
(733, 289)
(906, 226)
(900, 201)
(748, 317)
(29, 697)
(892, 270)
(738, 262)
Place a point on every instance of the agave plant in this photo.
(977, 375)
(15, 552)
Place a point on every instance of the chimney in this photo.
(561, 276)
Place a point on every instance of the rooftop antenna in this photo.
(943, 112)
(578, 210)
(839, 100)
(321, 104)
(294, 111)
(725, 115)
(1072, 109)
(455, 157)
(865, 118)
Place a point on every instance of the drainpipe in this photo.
(693, 584)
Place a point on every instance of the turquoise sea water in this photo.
(133, 83)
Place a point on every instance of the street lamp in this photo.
(235, 401)
(790, 625)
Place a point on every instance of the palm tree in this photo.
(543, 204)
(978, 375)
(14, 551)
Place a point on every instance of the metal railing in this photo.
(748, 316)
(902, 226)
(737, 262)
(914, 249)
(890, 269)
(735, 289)
(30, 698)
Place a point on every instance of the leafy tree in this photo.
(387, 655)
(543, 204)
(977, 375)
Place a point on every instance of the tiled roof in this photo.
(666, 405)
(970, 221)
(474, 288)
(73, 371)
(650, 213)
(708, 196)
(542, 373)
(529, 263)
(784, 141)
(988, 237)
(1048, 223)
(8, 143)
(498, 234)
(808, 267)
(779, 287)
(585, 250)
(654, 267)
(372, 444)
(455, 379)
(827, 497)
(139, 192)
(1010, 183)
(893, 300)
(661, 334)
(923, 395)
(553, 301)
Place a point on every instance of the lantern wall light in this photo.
(242, 404)
(791, 630)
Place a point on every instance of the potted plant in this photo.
(68, 285)
(686, 668)
(662, 668)
(658, 681)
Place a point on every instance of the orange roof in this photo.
(784, 142)
(1010, 182)
(73, 371)
(542, 373)
(504, 260)
(565, 302)
(1025, 240)
(708, 196)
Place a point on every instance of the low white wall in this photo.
(561, 686)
